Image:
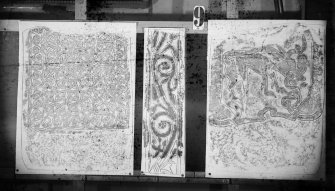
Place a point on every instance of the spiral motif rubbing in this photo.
(163, 112)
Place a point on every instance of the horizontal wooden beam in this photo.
(191, 177)
(49, 177)
(170, 24)
(13, 25)
(9, 25)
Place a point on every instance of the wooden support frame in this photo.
(191, 177)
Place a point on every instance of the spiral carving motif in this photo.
(163, 127)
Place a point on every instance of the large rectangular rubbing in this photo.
(163, 131)
(266, 99)
(76, 98)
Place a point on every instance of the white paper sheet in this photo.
(76, 98)
(265, 99)
(163, 131)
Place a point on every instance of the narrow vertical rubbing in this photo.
(163, 131)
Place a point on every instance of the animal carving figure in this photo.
(268, 62)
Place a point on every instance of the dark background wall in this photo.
(196, 84)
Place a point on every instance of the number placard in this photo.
(198, 17)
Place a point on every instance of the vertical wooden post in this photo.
(150, 6)
(232, 9)
(303, 9)
(80, 9)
